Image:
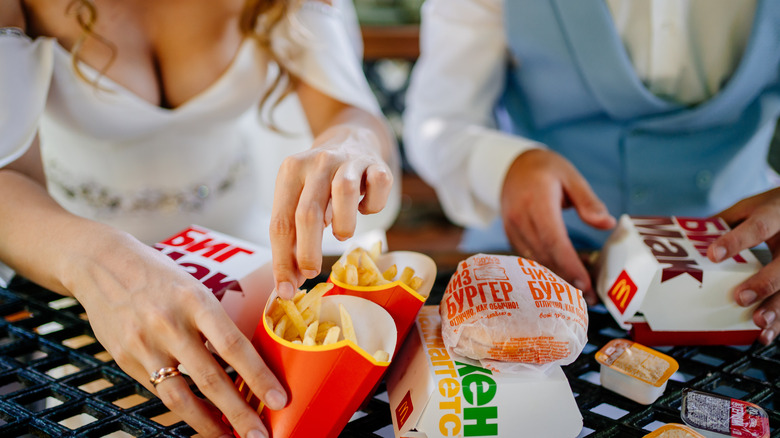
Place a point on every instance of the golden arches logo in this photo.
(622, 291)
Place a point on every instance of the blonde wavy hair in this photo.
(258, 20)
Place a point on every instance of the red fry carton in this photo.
(434, 393)
(237, 272)
(654, 278)
(401, 302)
(325, 384)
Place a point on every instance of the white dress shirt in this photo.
(683, 50)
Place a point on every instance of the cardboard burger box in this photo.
(655, 279)
(435, 393)
(237, 272)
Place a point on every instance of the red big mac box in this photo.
(237, 272)
(654, 277)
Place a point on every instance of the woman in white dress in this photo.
(122, 122)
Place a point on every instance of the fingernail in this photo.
(254, 433)
(275, 400)
(579, 284)
(719, 252)
(309, 273)
(285, 290)
(768, 335)
(746, 297)
(769, 316)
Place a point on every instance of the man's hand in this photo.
(539, 185)
(755, 220)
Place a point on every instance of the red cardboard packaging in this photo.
(655, 279)
(402, 302)
(325, 384)
(237, 272)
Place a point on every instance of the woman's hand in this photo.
(538, 186)
(344, 173)
(149, 313)
(755, 220)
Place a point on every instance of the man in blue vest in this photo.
(518, 110)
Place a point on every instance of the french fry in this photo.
(276, 311)
(353, 257)
(322, 331)
(367, 277)
(339, 271)
(316, 292)
(281, 326)
(415, 283)
(390, 272)
(346, 325)
(332, 336)
(381, 356)
(294, 314)
(351, 276)
(311, 333)
(406, 275)
(376, 250)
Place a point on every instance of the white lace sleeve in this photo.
(25, 73)
(316, 46)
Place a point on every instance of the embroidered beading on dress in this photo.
(13, 31)
(108, 202)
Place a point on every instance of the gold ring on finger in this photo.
(162, 374)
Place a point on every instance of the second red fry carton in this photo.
(434, 393)
(237, 272)
(654, 278)
(327, 383)
(401, 301)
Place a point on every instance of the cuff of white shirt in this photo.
(489, 163)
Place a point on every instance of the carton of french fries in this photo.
(329, 351)
(398, 281)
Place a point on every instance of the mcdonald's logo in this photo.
(622, 292)
(404, 410)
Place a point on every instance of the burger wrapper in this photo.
(511, 313)
(401, 302)
(325, 384)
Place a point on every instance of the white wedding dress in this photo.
(114, 157)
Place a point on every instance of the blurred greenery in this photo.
(388, 12)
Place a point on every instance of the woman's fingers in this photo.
(176, 394)
(378, 184)
(328, 184)
(289, 184)
(233, 347)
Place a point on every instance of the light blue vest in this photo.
(576, 91)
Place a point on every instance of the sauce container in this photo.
(717, 416)
(634, 371)
(674, 430)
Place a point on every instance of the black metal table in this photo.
(57, 380)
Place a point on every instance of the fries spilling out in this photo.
(298, 321)
(359, 268)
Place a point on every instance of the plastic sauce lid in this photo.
(723, 415)
(638, 361)
(674, 430)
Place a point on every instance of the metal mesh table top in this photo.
(57, 380)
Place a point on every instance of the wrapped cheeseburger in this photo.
(507, 310)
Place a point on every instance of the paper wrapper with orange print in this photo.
(325, 384)
(401, 302)
(510, 313)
